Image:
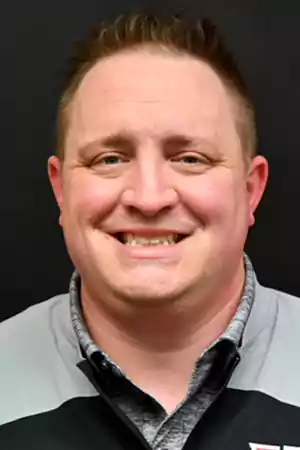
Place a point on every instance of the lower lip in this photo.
(158, 252)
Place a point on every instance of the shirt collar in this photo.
(236, 327)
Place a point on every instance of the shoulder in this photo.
(279, 313)
(39, 354)
(33, 327)
(271, 341)
(32, 339)
(286, 306)
(275, 313)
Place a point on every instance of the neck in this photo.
(149, 344)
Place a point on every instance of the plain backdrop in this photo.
(35, 43)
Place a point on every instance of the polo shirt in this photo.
(54, 394)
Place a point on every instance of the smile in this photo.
(132, 239)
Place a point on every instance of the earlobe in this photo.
(256, 185)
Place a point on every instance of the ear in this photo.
(257, 178)
(56, 179)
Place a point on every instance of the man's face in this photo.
(155, 196)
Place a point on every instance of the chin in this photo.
(150, 291)
(144, 298)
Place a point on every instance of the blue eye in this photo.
(191, 159)
(111, 160)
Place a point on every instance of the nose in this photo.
(149, 191)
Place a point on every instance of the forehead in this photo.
(151, 94)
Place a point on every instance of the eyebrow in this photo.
(120, 141)
(179, 141)
(127, 142)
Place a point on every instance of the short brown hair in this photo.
(199, 38)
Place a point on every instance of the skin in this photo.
(156, 149)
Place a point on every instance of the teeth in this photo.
(130, 239)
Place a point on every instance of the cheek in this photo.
(87, 199)
(215, 198)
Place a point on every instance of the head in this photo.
(156, 173)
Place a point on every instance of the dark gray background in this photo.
(35, 43)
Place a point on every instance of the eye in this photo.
(110, 160)
(190, 159)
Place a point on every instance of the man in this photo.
(166, 339)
